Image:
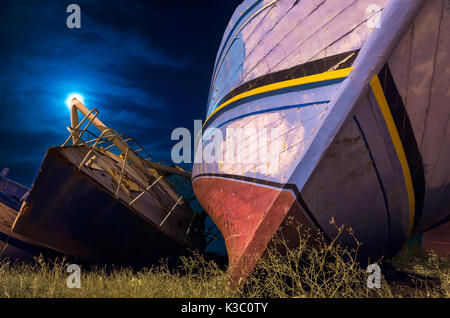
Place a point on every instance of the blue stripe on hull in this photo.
(272, 110)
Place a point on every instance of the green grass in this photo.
(319, 270)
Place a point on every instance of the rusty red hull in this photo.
(249, 215)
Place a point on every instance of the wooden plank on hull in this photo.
(422, 64)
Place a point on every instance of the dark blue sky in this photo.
(145, 64)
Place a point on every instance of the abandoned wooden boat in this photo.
(101, 201)
(13, 246)
(341, 109)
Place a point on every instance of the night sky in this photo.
(146, 65)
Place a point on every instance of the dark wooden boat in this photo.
(101, 201)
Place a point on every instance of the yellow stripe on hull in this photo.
(384, 107)
(284, 84)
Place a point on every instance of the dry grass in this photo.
(328, 270)
(429, 274)
(320, 270)
(195, 278)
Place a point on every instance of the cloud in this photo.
(44, 61)
(145, 65)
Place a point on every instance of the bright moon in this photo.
(72, 96)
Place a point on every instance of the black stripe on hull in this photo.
(280, 186)
(380, 181)
(407, 137)
(302, 70)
